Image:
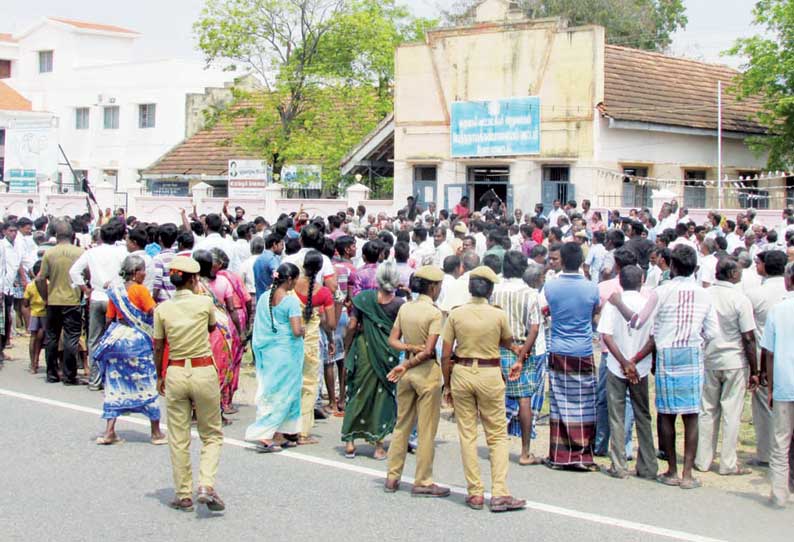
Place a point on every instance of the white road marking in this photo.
(534, 505)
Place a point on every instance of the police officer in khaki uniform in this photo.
(191, 380)
(419, 383)
(474, 384)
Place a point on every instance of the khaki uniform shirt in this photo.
(478, 329)
(183, 322)
(55, 266)
(418, 320)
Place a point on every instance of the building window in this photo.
(111, 117)
(557, 174)
(556, 185)
(146, 114)
(749, 196)
(45, 61)
(789, 190)
(81, 115)
(5, 69)
(425, 173)
(636, 194)
(695, 188)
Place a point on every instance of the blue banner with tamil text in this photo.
(504, 127)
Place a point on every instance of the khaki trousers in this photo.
(780, 459)
(481, 390)
(184, 388)
(722, 400)
(311, 379)
(418, 399)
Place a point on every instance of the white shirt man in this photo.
(726, 376)
(554, 214)
(327, 271)
(242, 252)
(13, 260)
(103, 263)
(215, 240)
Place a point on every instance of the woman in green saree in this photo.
(371, 408)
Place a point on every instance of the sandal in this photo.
(159, 441)
(350, 454)
(533, 460)
(107, 441)
(271, 448)
(615, 473)
(668, 480)
(306, 441)
(690, 483)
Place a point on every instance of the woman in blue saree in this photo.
(124, 354)
(278, 353)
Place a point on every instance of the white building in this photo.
(116, 114)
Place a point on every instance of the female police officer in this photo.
(191, 381)
(419, 389)
(475, 384)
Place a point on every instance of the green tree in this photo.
(644, 24)
(306, 51)
(768, 75)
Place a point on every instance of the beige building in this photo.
(603, 110)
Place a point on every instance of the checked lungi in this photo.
(572, 420)
(679, 380)
(529, 384)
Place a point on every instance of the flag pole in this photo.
(719, 145)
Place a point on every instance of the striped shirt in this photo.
(162, 281)
(684, 315)
(521, 304)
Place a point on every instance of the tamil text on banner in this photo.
(22, 181)
(505, 127)
(248, 178)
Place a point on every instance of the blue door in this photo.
(455, 191)
(551, 190)
(423, 190)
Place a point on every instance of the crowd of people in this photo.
(489, 311)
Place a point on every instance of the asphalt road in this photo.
(58, 485)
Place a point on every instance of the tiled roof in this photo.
(209, 151)
(650, 87)
(12, 100)
(93, 26)
(6, 37)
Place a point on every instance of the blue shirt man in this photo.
(572, 299)
(267, 263)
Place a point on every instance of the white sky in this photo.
(166, 24)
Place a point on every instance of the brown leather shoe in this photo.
(208, 496)
(391, 486)
(432, 490)
(475, 502)
(507, 504)
(183, 505)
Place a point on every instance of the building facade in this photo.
(115, 113)
(533, 111)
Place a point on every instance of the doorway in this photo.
(484, 182)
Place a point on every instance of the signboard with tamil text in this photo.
(248, 178)
(22, 181)
(506, 127)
